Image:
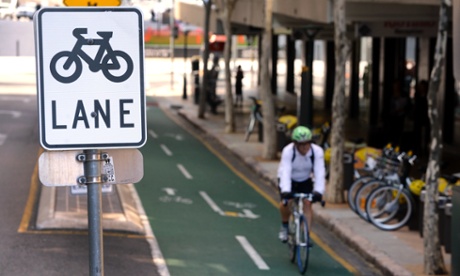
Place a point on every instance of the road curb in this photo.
(365, 248)
(127, 221)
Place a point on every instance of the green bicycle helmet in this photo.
(301, 134)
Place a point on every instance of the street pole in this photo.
(92, 160)
(184, 94)
(171, 42)
(306, 90)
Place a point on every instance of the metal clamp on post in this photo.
(92, 163)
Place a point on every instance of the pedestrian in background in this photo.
(399, 105)
(239, 86)
(421, 119)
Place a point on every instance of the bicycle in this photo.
(298, 232)
(390, 207)
(256, 116)
(285, 123)
(372, 167)
(321, 135)
(391, 179)
(106, 63)
(386, 173)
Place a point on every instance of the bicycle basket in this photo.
(388, 165)
(362, 156)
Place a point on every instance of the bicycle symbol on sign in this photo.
(70, 66)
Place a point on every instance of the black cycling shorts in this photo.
(305, 187)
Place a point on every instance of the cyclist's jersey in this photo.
(300, 168)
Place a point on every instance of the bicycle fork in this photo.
(394, 204)
(298, 240)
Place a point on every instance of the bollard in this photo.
(348, 170)
(455, 231)
(448, 228)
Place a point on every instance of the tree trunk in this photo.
(204, 83)
(433, 258)
(226, 8)
(268, 105)
(335, 185)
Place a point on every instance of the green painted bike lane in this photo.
(204, 215)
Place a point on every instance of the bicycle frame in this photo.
(299, 244)
(297, 211)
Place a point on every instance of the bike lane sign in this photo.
(90, 77)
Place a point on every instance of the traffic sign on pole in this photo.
(94, 3)
(90, 68)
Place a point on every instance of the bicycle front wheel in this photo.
(358, 183)
(303, 249)
(362, 195)
(291, 238)
(389, 207)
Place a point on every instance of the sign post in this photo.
(93, 180)
(91, 96)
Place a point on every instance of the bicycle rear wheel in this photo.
(362, 195)
(303, 250)
(358, 183)
(291, 238)
(389, 208)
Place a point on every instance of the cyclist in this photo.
(301, 161)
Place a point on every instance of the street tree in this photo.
(268, 103)
(224, 12)
(433, 258)
(205, 80)
(335, 185)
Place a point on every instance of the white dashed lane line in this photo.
(256, 258)
(184, 171)
(153, 134)
(166, 150)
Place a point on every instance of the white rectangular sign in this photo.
(90, 66)
(397, 28)
(61, 168)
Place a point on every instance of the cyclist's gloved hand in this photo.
(285, 196)
(317, 197)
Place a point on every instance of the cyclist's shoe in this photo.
(283, 235)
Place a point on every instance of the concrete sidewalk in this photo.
(394, 253)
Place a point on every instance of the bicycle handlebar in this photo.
(308, 196)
